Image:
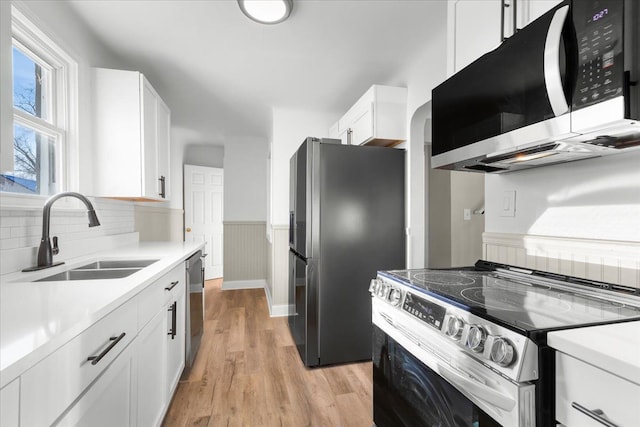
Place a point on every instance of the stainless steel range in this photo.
(467, 347)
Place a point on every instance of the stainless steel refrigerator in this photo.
(346, 222)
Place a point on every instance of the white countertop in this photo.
(36, 318)
(614, 348)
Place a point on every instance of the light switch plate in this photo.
(508, 204)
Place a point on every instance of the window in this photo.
(44, 78)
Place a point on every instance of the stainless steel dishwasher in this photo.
(195, 307)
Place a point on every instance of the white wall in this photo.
(420, 76)
(290, 128)
(204, 155)
(593, 199)
(245, 174)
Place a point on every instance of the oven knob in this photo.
(475, 338)
(395, 295)
(373, 286)
(454, 328)
(383, 290)
(502, 352)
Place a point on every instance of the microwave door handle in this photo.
(479, 390)
(552, 77)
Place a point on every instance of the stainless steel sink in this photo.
(101, 270)
(95, 274)
(117, 263)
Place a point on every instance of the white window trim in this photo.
(26, 32)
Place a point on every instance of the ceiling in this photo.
(221, 73)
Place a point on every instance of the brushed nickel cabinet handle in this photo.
(596, 414)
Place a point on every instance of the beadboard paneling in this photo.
(245, 251)
(604, 260)
(278, 281)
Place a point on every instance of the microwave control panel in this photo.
(599, 29)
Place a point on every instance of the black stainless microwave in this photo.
(563, 88)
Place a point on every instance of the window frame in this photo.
(63, 123)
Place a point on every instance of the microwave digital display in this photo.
(601, 14)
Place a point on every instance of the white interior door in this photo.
(203, 191)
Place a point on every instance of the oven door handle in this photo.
(479, 390)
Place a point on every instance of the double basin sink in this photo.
(102, 269)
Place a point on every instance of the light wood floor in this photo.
(248, 373)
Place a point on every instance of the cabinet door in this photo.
(477, 29)
(175, 338)
(149, 137)
(362, 126)
(163, 146)
(151, 371)
(10, 404)
(533, 9)
(110, 400)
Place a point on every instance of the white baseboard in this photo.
(244, 284)
(280, 310)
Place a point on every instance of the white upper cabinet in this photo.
(379, 117)
(476, 27)
(131, 137)
(533, 9)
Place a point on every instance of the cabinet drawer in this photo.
(579, 384)
(174, 281)
(52, 385)
(154, 297)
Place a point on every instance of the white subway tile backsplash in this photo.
(10, 221)
(21, 228)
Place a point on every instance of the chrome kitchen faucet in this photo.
(45, 251)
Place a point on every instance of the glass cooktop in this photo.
(527, 305)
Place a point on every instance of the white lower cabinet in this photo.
(175, 340)
(110, 401)
(160, 346)
(587, 396)
(49, 388)
(121, 371)
(9, 404)
(151, 360)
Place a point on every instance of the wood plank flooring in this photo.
(248, 373)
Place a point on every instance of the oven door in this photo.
(422, 383)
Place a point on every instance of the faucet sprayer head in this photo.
(93, 218)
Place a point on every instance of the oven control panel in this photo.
(506, 351)
(427, 311)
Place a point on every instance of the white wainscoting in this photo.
(278, 288)
(245, 251)
(609, 261)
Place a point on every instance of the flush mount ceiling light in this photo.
(266, 11)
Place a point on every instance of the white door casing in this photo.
(203, 198)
